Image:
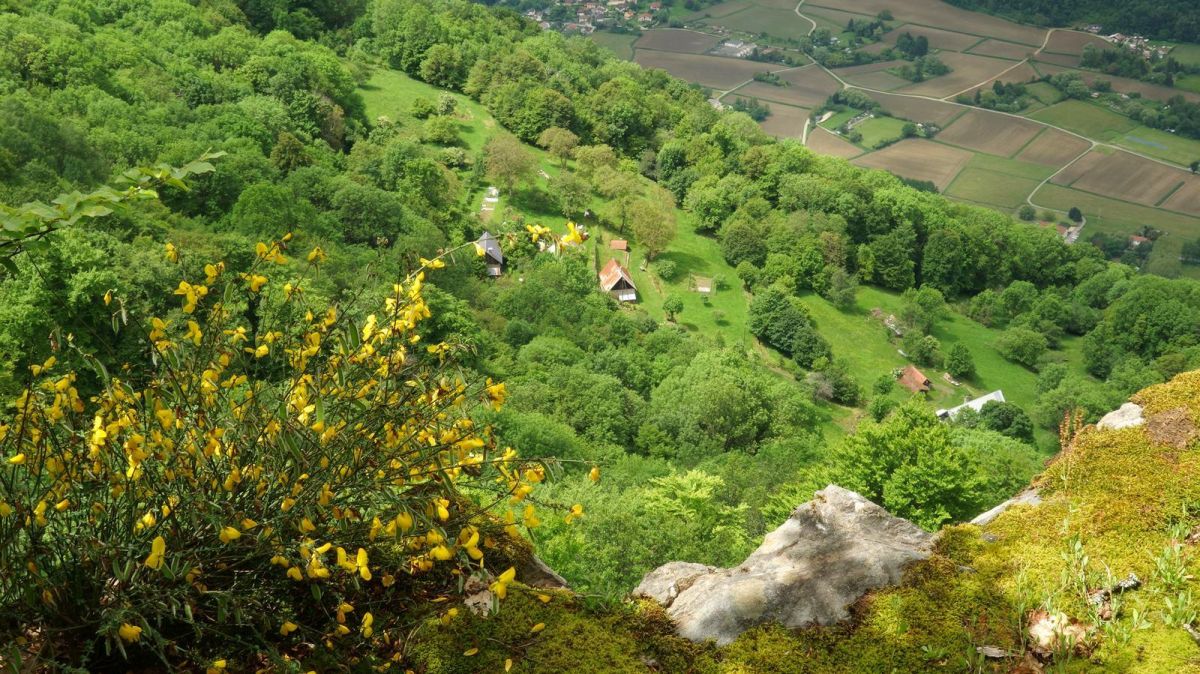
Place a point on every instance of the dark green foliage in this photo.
(959, 362)
(1170, 20)
(782, 321)
(1022, 345)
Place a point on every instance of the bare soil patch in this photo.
(1053, 148)
(990, 132)
(682, 41)
(712, 71)
(826, 142)
(919, 159)
(1186, 199)
(1071, 42)
(938, 38)
(918, 109)
(1128, 177)
(1075, 171)
(941, 15)
(785, 121)
(807, 88)
(1004, 50)
(968, 70)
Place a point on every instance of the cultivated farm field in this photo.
(990, 132)
(827, 142)
(712, 71)
(919, 159)
(682, 41)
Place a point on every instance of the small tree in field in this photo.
(559, 142)
(508, 162)
(672, 305)
(1075, 214)
(959, 362)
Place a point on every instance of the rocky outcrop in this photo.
(1029, 497)
(828, 554)
(1126, 416)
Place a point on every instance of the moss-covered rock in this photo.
(1115, 502)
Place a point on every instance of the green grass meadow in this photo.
(1087, 119)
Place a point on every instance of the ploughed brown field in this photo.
(918, 109)
(1186, 199)
(1054, 148)
(1022, 74)
(1072, 42)
(967, 71)
(1127, 177)
(825, 142)
(990, 132)
(919, 159)
(938, 39)
(710, 71)
(940, 15)
(1004, 50)
(682, 41)
(785, 121)
(807, 87)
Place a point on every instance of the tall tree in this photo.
(653, 221)
(559, 142)
(508, 162)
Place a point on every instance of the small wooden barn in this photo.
(914, 380)
(616, 281)
(493, 257)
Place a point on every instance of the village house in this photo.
(914, 380)
(616, 281)
(493, 257)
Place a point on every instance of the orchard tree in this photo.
(571, 193)
(922, 308)
(653, 222)
(559, 142)
(1022, 345)
(508, 162)
(959, 362)
(1075, 214)
(590, 158)
(620, 187)
(1027, 213)
(672, 305)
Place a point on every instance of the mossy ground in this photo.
(1114, 503)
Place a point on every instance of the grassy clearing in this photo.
(1161, 144)
(990, 187)
(873, 351)
(1046, 93)
(390, 93)
(620, 44)
(778, 22)
(1089, 120)
(1188, 83)
(839, 119)
(1187, 54)
(880, 130)
(1121, 217)
(1012, 167)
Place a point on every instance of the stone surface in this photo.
(828, 554)
(535, 573)
(1173, 428)
(1028, 497)
(1125, 416)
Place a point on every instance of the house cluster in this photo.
(614, 278)
(735, 49)
(1138, 45)
(586, 16)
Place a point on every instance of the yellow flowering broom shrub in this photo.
(274, 483)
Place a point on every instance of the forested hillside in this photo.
(1166, 20)
(265, 408)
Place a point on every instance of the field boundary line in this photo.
(1168, 195)
(1029, 142)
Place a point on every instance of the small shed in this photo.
(619, 244)
(616, 281)
(704, 285)
(914, 380)
(493, 257)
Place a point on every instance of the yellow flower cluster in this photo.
(356, 452)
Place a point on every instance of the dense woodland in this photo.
(702, 447)
(1161, 20)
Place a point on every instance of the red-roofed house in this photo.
(615, 280)
(914, 380)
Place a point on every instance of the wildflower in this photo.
(576, 513)
(500, 586)
(191, 295)
(530, 517)
(316, 255)
(194, 332)
(594, 474)
(537, 231)
(360, 563)
(157, 549)
(432, 264)
(537, 628)
(171, 253)
(5, 509)
(212, 271)
(107, 298)
(130, 633)
(295, 574)
(255, 281)
(287, 628)
(216, 667)
(496, 393)
(17, 460)
(470, 651)
(574, 237)
(229, 534)
(367, 621)
(270, 254)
